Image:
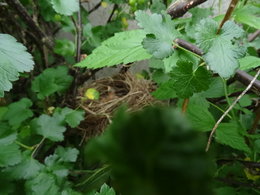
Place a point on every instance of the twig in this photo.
(248, 164)
(79, 35)
(238, 183)
(94, 8)
(37, 148)
(180, 7)
(15, 4)
(230, 10)
(253, 36)
(230, 108)
(112, 13)
(88, 110)
(188, 49)
(185, 105)
(246, 78)
(189, 46)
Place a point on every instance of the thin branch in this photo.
(180, 7)
(15, 4)
(253, 36)
(238, 183)
(185, 105)
(188, 49)
(248, 164)
(189, 46)
(112, 13)
(230, 108)
(37, 148)
(79, 35)
(94, 8)
(228, 14)
(246, 78)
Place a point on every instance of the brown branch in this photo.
(16, 5)
(246, 78)
(238, 183)
(253, 36)
(94, 8)
(248, 164)
(112, 13)
(229, 12)
(189, 46)
(180, 7)
(79, 35)
(185, 105)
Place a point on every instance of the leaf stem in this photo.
(25, 146)
(220, 109)
(227, 98)
(37, 147)
(182, 48)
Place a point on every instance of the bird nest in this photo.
(123, 89)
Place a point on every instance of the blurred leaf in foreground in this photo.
(154, 152)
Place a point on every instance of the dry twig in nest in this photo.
(123, 89)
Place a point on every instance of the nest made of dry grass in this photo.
(115, 91)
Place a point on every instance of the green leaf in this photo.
(13, 59)
(199, 115)
(228, 134)
(171, 61)
(6, 135)
(9, 155)
(65, 7)
(160, 30)
(157, 6)
(156, 47)
(187, 81)
(18, 112)
(64, 47)
(133, 146)
(216, 89)
(50, 81)
(222, 58)
(245, 101)
(124, 47)
(106, 190)
(249, 62)
(160, 77)
(248, 15)
(225, 191)
(221, 54)
(71, 117)
(156, 63)
(44, 183)
(49, 127)
(165, 91)
(197, 15)
(28, 168)
(67, 154)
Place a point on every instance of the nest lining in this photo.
(123, 89)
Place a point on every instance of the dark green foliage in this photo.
(154, 152)
(45, 139)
